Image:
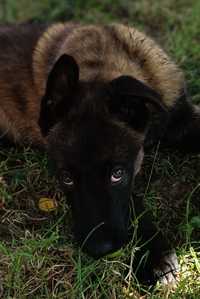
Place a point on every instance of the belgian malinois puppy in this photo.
(93, 96)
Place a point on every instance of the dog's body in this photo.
(103, 53)
(86, 93)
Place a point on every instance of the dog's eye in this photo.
(116, 175)
(67, 179)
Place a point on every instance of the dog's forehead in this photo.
(98, 140)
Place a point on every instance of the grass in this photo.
(38, 258)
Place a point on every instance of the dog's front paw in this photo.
(168, 269)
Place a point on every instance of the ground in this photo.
(38, 258)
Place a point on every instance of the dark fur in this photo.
(92, 96)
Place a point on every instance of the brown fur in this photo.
(19, 102)
(102, 52)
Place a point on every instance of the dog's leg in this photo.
(156, 258)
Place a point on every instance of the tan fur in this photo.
(160, 72)
(102, 52)
(110, 51)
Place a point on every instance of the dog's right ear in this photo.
(132, 101)
(61, 85)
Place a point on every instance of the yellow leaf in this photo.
(47, 204)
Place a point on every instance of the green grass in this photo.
(38, 258)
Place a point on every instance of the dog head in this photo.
(95, 133)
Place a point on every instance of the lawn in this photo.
(38, 257)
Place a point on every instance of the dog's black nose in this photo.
(103, 241)
(102, 248)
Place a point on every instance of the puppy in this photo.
(93, 97)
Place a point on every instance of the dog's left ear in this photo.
(61, 86)
(132, 101)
